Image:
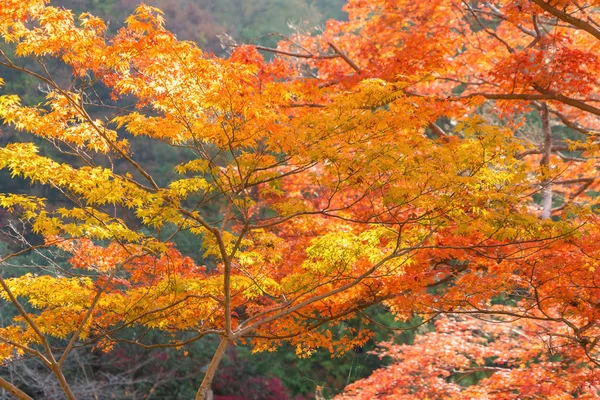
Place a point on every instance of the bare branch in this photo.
(563, 16)
(345, 57)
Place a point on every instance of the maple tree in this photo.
(359, 166)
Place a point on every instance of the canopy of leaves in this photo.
(359, 166)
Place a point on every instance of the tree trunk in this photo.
(545, 163)
(63, 382)
(204, 391)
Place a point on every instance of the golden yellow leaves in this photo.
(145, 19)
(92, 22)
(184, 187)
(27, 203)
(172, 303)
(61, 301)
(52, 31)
(63, 121)
(96, 185)
(93, 187)
(338, 252)
(168, 128)
(198, 165)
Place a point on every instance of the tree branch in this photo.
(563, 16)
(345, 57)
(12, 389)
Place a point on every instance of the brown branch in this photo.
(345, 57)
(481, 369)
(573, 181)
(439, 132)
(299, 55)
(527, 153)
(167, 345)
(573, 125)
(309, 105)
(582, 188)
(391, 328)
(582, 105)
(570, 159)
(497, 13)
(12, 389)
(505, 96)
(487, 30)
(545, 94)
(563, 16)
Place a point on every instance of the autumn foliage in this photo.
(507, 360)
(438, 157)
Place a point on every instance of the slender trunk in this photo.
(227, 295)
(547, 201)
(545, 163)
(204, 388)
(63, 382)
(12, 389)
